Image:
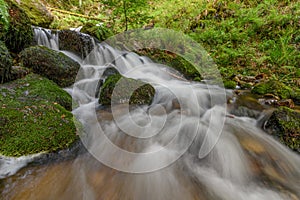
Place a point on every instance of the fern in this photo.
(4, 16)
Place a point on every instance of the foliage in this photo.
(32, 120)
(4, 16)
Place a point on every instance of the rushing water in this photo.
(244, 163)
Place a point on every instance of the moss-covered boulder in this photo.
(5, 63)
(54, 65)
(33, 118)
(19, 34)
(99, 31)
(76, 42)
(172, 60)
(37, 12)
(117, 89)
(277, 88)
(284, 124)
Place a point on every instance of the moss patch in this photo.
(122, 87)
(32, 120)
(285, 125)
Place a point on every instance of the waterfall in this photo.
(160, 151)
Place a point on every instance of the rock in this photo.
(174, 61)
(33, 118)
(52, 64)
(19, 34)
(5, 64)
(76, 42)
(37, 12)
(143, 93)
(284, 124)
(99, 31)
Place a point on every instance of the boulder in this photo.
(5, 64)
(284, 124)
(76, 42)
(49, 63)
(118, 89)
(34, 117)
(19, 34)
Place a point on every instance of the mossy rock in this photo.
(174, 61)
(99, 31)
(5, 64)
(52, 64)
(284, 124)
(274, 87)
(33, 119)
(117, 89)
(76, 42)
(19, 34)
(37, 12)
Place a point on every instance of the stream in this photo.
(185, 145)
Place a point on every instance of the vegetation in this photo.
(32, 117)
(243, 37)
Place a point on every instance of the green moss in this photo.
(5, 63)
(122, 88)
(274, 87)
(285, 125)
(32, 120)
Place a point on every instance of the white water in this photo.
(190, 152)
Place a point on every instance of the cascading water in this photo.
(191, 151)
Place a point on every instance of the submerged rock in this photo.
(19, 34)
(52, 64)
(117, 89)
(5, 64)
(34, 117)
(284, 124)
